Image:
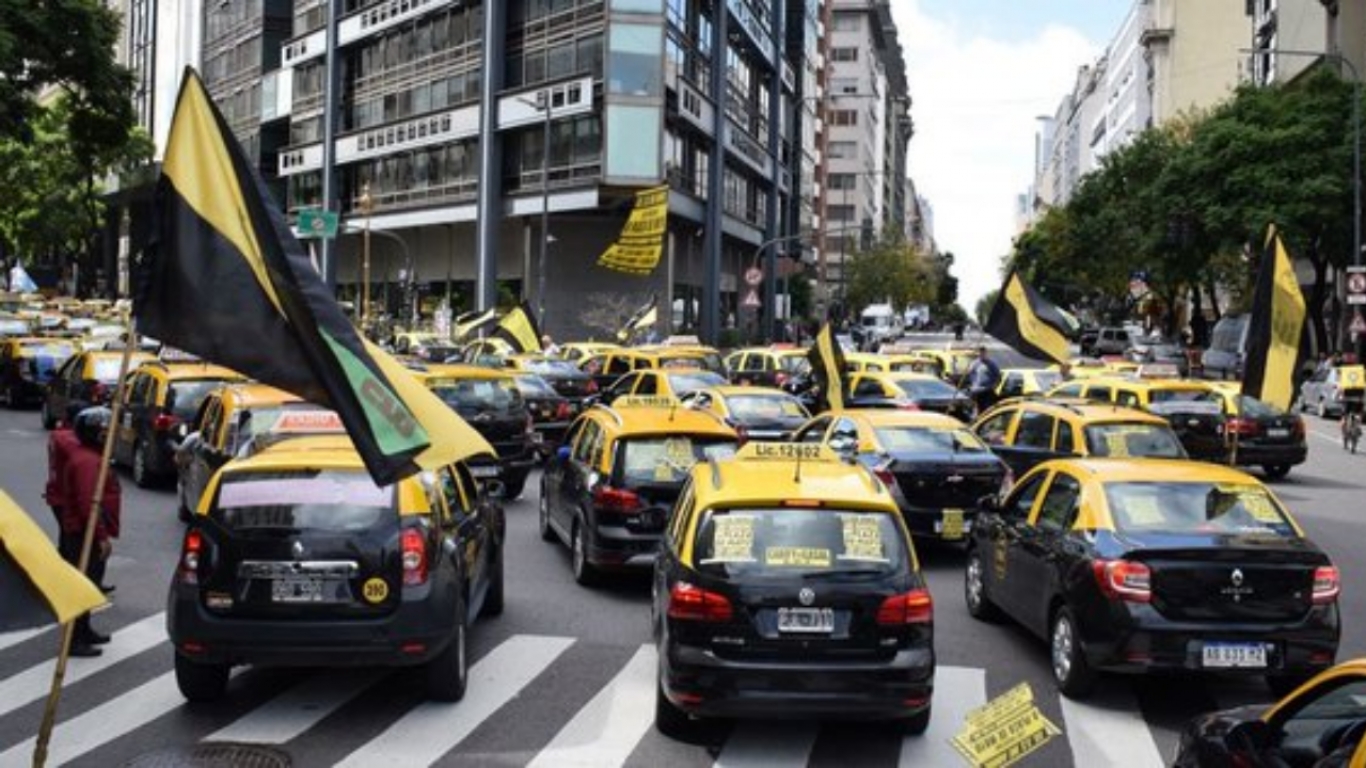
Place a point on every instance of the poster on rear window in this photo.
(732, 539)
(862, 538)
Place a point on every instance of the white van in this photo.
(1227, 348)
(880, 323)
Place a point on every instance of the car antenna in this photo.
(797, 471)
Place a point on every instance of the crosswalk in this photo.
(129, 696)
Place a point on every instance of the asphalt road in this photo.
(564, 677)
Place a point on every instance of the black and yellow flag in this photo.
(1274, 331)
(518, 327)
(469, 324)
(827, 368)
(224, 279)
(1028, 323)
(39, 587)
(641, 319)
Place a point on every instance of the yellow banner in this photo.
(638, 248)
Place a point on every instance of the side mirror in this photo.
(844, 446)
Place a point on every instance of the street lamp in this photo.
(543, 103)
(1356, 146)
(367, 206)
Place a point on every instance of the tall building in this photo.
(1066, 144)
(1312, 30)
(1127, 107)
(1193, 53)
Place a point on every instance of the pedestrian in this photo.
(61, 442)
(79, 476)
(549, 346)
(983, 376)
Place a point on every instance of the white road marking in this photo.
(1109, 731)
(430, 730)
(292, 713)
(607, 729)
(957, 691)
(8, 639)
(34, 682)
(760, 744)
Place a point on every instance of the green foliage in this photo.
(803, 295)
(983, 308)
(890, 271)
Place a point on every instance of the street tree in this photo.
(890, 271)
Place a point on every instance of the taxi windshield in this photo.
(183, 398)
(478, 395)
(765, 406)
(561, 367)
(1121, 440)
(46, 349)
(1182, 396)
(666, 459)
(924, 388)
(258, 420)
(531, 384)
(905, 439)
(691, 381)
(107, 369)
(302, 500)
(1195, 507)
(802, 542)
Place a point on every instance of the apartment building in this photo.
(1311, 30)
(1193, 49)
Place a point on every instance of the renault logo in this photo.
(1237, 577)
(807, 596)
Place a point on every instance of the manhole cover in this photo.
(211, 755)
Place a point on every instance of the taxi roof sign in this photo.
(308, 422)
(645, 401)
(761, 451)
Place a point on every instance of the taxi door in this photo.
(139, 395)
(1046, 549)
(1009, 588)
(464, 536)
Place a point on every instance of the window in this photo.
(847, 22)
(1059, 507)
(842, 181)
(844, 117)
(1019, 504)
(583, 449)
(843, 150)
(635, 60)
(633, 146)
(1035, 431)
(844, 54)
(1063, 443)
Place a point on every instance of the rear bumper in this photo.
(701, 683)
(1271, 455)
(617, 547)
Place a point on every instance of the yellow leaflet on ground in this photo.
(862, 537)
(732, 539)
(799, 557)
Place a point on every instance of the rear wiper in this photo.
(843, 572)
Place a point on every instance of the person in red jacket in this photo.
(60, 444)
(79, 476)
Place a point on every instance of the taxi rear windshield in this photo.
(765, 406)
(924, 388)
(1143, 440)
(303, 500)
(479, 395)
(683, 383)
(930, 440)
(183, 398)
(666, 459)
(1193, 507)
(802, 542)
(1182, 396)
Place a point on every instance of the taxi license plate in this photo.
(1278, 433)
(952, 526)
(296, 590)
(483, 471)
(809, 620)
(1234, 655)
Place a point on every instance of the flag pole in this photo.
(87, 543)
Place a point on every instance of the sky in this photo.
(980, 72)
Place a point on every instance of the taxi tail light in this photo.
(563, 411)
(883, 472)
(611, 499)
(165, 422)
(414, 548)
(914, 607)
(1241, 426)
(692, 603)
(1327, 585)
(1124, 580)
(191, 552)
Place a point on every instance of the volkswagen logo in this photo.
(1236, 577)
(807, 596)
(298, 550)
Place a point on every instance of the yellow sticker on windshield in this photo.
(862, 537)
(1117, 444)
(798, 557)
(1259, 506)
(663, 473)
(678, 451)
(1143, 511)
(732, 539)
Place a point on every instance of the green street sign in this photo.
(318, 223)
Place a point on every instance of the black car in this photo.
(88, 378)
(909, 391)
(1155, 564)
(27, 365)
(299, 559)
(160, 400)
(787, 591)
(756, 413)
(550, 411)
(571, 383)
(491, 402)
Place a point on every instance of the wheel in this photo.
(584, 572)
(200, 682)
(493, 599)
(448, 673)
(1276, 471)
(513, 487)
(1285, 684)
(672, 721)
(975, 594)
(1071, 673)
(142, 474)
(46, 416)
(916, 724)
(543, 517)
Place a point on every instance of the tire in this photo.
(200, 682)
(1276, 471)
(917, 724)
(1285, 684)
(1071, 673)
(142, 475)
(513, 487)
(493, 599)
(448, 672)
(672, 721)
(46, 416)
(543, 517)
(975, 594)
(584, 572)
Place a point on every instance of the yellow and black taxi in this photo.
(674, 382)
(491, 402)
(565, 377)
(550, 411)
(27, 364)
(608, 366)
(766, 366)
(756, 413)
(231, 420)
(605, 493)
(858, 362)
(489, 351)
(909, 391)
(1319, 724)
(160, 398)
(88, 377)
(711, 358)
(1247, 432)
(295, 557)
(1155, 564)
(787, 586)
(935, 468)
(576, 351)
(1135, 392)
(1026, 432)
(1026, 382)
